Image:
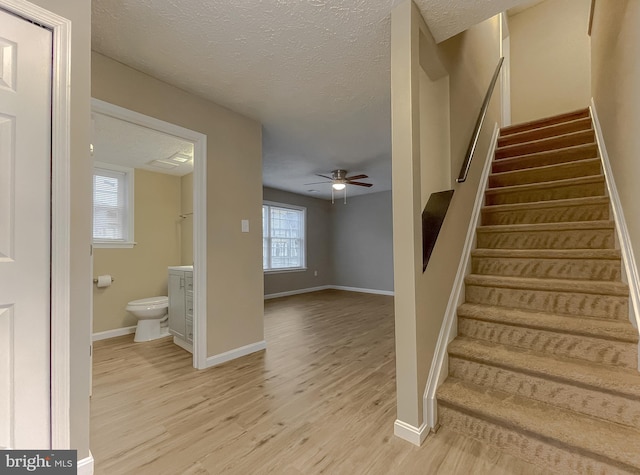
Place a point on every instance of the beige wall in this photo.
(469, 59)
(235, 304)
(550, 59)
(186, 209)
(80, 338)
(141, 271)
(615, 44)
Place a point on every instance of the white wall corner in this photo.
(236, 353)
(448, 330)
(415, 435)
(85, 465)
(628, 258)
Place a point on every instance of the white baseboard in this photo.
(113, 333)
(327, 287)
(415, 435)
(236, 353)
(296, 292)
(365, 291)
(448, 330)
(85, 466)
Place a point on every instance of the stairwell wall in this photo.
(615, 76)
(466, 62)
(550, 59)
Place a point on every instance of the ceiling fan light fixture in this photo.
(339, 186)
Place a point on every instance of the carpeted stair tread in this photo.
(541, 174)
(577, 264)
(547, 191)
(556, 342)
(551, 143)
(590, 208)
(560, 235)
(582, 225)
(544, 122)
(610, 379)
(617, 408)
(549, 253)
(552, 285)
(592, 327)
(545, 132)
(586, 200)
(550, 157)
(570, 430)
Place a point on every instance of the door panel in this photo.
(25, 241)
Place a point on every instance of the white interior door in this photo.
(25, 241)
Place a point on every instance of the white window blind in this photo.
(283, 237)
(112, 205)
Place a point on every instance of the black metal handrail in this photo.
(464, 171)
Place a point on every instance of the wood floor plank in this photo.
(320, 399)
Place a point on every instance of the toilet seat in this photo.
(161, 301)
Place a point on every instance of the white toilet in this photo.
(152, 317)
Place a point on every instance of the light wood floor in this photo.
(320, 399)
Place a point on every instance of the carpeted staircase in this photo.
(545, 365)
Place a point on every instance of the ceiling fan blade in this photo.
(316, 183)
(356, 177)
(324, 176)
(357, 183)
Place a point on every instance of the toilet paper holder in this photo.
(95, 281)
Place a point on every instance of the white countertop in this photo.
(181, 268)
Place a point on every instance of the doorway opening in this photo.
(188, 145)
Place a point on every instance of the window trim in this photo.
(129, 241)
(303, 267)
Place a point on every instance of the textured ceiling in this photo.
(122, 143)
(315, 73)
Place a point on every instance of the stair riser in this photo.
(542, 159)
(619, 409)
(559, 239)
(500, 197)
(545, 174)
(596, 269)
(546, 122)
(566, 303)
(588, 212)
(545, 132)
(585, 348)
(580, 138)
(527, 447)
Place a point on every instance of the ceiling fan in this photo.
(339, 180)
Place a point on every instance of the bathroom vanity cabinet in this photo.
(181, 306)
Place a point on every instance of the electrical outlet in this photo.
(315, 273)
(245, 225)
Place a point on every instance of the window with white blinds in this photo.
(112, 206)
(283, 237)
